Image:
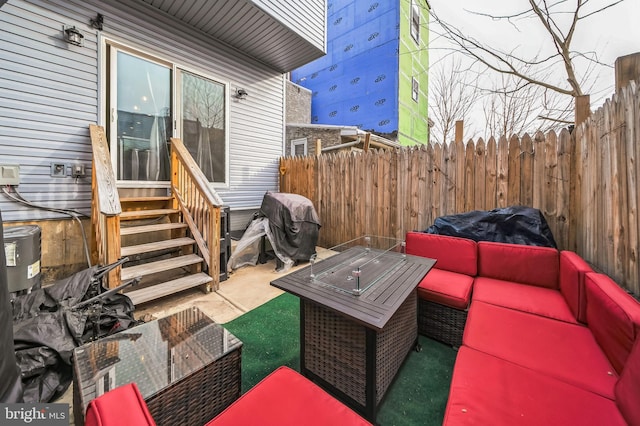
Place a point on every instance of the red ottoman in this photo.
(285, 397)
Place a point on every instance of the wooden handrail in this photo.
(200, 206)
(105, 207)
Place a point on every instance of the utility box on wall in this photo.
(22, 250)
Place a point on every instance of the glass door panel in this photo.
(203, 124)
(143, 115)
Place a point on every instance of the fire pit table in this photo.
(358, 317)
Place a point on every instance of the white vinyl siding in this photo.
(51, 93)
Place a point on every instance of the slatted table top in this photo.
(375, 306)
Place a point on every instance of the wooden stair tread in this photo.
(134, 214)
(159, 266)
(157, 245)
(144, 199)
(151, 228)
(167, 288)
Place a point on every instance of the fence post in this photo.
(459, 135)
(583, 109)
(627, 69)
(318, 147)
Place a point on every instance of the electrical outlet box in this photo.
(78, 170)
(9, 174)
(58, 170)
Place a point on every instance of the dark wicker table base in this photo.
(200, 397)
(441, 322)
(354, 362)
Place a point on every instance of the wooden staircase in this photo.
(172, 243)
(158, 250)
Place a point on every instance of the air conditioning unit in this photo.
(22, 247)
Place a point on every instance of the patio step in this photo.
(143, 199)
(158, 245)
(159, 266)
(141, 214)
(152, 228)
(168, 288)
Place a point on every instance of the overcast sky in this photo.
(612, 33)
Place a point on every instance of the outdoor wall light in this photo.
(73, 36)
(241, 94)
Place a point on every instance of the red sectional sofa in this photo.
(545, 339)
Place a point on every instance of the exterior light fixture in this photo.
(73, 36)
(241, 94)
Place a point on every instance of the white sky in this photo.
(612, 33)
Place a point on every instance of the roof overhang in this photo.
(256, 28)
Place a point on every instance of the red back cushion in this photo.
(122, 406)
(519, 263)
(612, 316)
(628, 387)
(452, 253)
(572, 270)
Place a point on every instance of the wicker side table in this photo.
(186, 367)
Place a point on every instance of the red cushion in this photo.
(285, 397)
(488, 391)
(523, 297)
(519, 263)
(567, 352)
(446, 288)
(122, 406)
(612, 317)
(452, 253)
(628, 387)
(572, 270)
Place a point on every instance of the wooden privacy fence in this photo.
(584, 184)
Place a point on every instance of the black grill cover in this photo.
(294, 223)
(516, 225)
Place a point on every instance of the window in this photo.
(415, 21)
(299, 147)
(415, 89)
(152, 100)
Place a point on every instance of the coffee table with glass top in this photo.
(186, 366)
(358, 317)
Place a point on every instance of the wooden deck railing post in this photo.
(199, 204)
(105, 206)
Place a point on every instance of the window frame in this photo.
(414, 21)
(107, 45)
(298, 142)
(415, 89)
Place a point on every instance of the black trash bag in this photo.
(10, 383)
(50, 322)
(294, 223)
(515, 225)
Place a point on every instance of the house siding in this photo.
(51, 93)
(311, 13)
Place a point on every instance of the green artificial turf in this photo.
(271, 338)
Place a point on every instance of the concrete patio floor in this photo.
(244, 290)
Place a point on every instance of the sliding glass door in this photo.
(152, 100)
(203, 123)
(141, 119)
